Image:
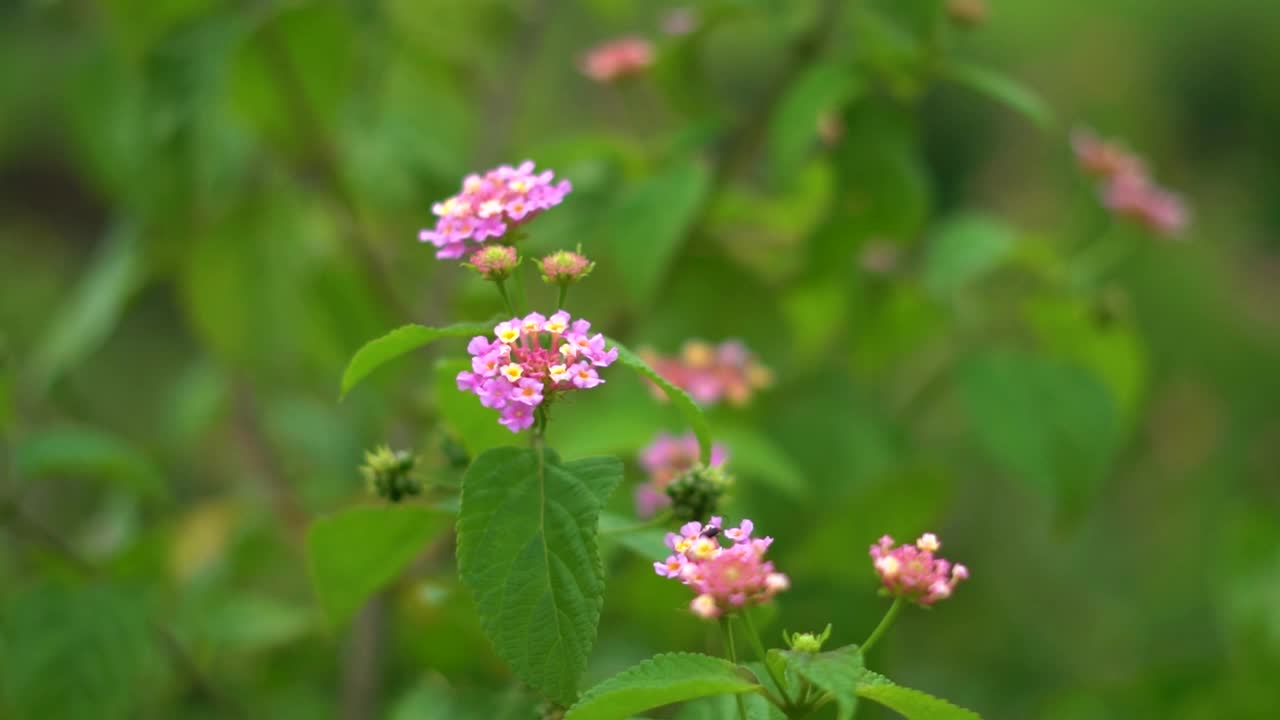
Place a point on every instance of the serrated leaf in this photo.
(1047, 422)
(793, 129)
(1005, 90)
(91, 313)
(403, 339)
(648, 224)
(86, 452)
(963, 250)
(911, 704)
(835, 672)
(354, 553)
(527, 552)
(660, 680)
(679, 398)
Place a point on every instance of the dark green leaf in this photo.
(398, 342)
(679, 398)
(354, 553)
(649, 223)
(527, 552)
(911, 704)
(85, 452)
(1003, 89)
(660, 680)
(836, 672)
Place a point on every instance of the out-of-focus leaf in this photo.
(835, 671)
(793, 129)
(90, 453)
(647, 542)
(755, 455)
(679, 398)
(403, 339)
(434, 702)
(910, 704)
(1005, 90)
(475, 425)
(1048, 423)
(660, 680)
(527, 552)
(353, 554)
(648, 224)
(91, 313)
(246, 623)
(963, 250)
(75, 653)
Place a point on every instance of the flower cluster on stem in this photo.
(1126, 186)
(531, 361)
(724, 579)
(711, 373)
(913, 572)
(490, 206)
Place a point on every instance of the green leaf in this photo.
(1003, 89)
(527, 552)
(398, 342)
(648, 224)
(85, 452)
(354, 553)
(679, 398)
(94, 308)
(1047, 422)
(645, 542)
(911, 704)
(75, 653)
(794, 126)
(475, 425)
(836, 672)
(753, 454)
(660, 680)
(963, 250)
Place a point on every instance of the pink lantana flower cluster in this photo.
(491, 205)
(1127, 187)
(617, 59)
(532, 360)
(724, 578)
(913, 572)
(665, 459)
(711, 373)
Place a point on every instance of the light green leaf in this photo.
(91, 313)
(755, 455)
(645, 542)
(475, 425)
(911, 704)
(527, 552)
(649, 223)
(794, 127)
(85, 452)
(398, 342)
(354, 553)
(660, 680)
(679, 398)
(1047, 422)
(836, 672)
(963, 250)
(1003, 89)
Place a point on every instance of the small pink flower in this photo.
(516, 417)
(488, 207)
(724, 578)
(469, 381)
(914, 572)
(617, 59)
(585, 376)
(528, 391)
(1127, 189)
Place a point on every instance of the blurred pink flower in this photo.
(617, 59)
(711, 373)
(679, 21)
(1127, 188)
(912, 572)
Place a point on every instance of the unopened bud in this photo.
(388, 473)
(697, 492)
(565, 267)
(807, 642)
(494, 262)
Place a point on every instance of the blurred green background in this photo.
(208, 206)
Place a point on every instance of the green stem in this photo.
(883, 627)
(758, 645)
(506, 299)
(732, 650)
(657, 521)
(564, 293)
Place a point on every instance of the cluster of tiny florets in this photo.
(1127, 188)
(617, 59)
(913, 572)
(665, 459)
(531, 360)
(724, 578)
(494, 262)
(565, 267)
(711, 373)
(491, 205)
(389, 473)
